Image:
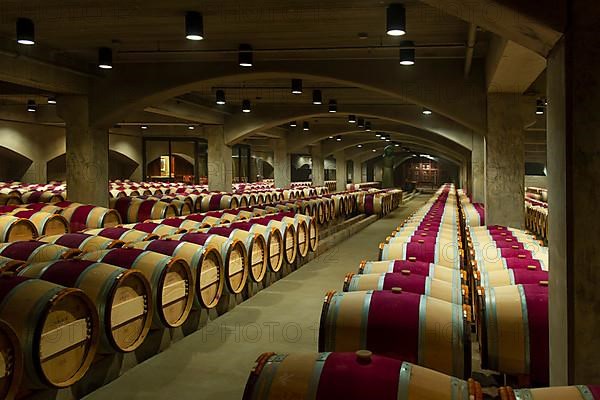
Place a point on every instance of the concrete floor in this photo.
(214, 362)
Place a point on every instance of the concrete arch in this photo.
(367, 151)
(434, 84)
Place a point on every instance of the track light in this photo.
(407, 53)
(52, 100)
(352, 119)
(305, 126)
(245, 55)
(194, 26)
(31, 106)
(246, 106)
(338, 138)
(25, 31)
(539, 110)
(220, 97)
(293, 124)
(359, 145)
(427, 111)
(396, 20)
(105, 58)
(296, 86)
(368, 126)
(361, 123)
(332, 106)
(317, 97)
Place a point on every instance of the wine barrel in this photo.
(134, 210)
(398, 324)
(45, 223)
(58, 328)
(514, 331)
(182, 207)
(122, 234)
(579, 392)
(218, 201)
(36, 196)
(206, 264)
(288, 234)
(233, 252)
(273, 240)
(8, 200)
(81, 217)
(187, 224)
(453, 292)
(447, 255)
(36, 251)
(351, 376)
(413, 267)
(508, 277)
(82, 241)
(122, 298)
(8, 264)
(14, 228)
(11, 362)
(154, 228)
(170, 278)
(256, 248)
(302, 230)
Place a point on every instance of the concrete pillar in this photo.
(220, 164)
(356, 171)
(505, 162)
(318, 166)
(478, 169)
(282, 164)
(574, 189)
(86, 153)
(340, 170)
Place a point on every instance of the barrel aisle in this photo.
(214, 362)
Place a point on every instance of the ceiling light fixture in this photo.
(31, 106)
(317, 97)
(144, 127)
(361, 123)
(25, 31)
(407, 53)
(293, 124)
(220, 97)
(296, 86)
(332, 106)
(105, 58)
(305, 126)
(52, 100)
(246, 106)
(378, 134)
(194, 26)
(352, 119)
(539, 110)
(338, 138)
(374, 150)
(359, 145)
(368, 126)
(427, 111)
(396, 20)
(245, 56)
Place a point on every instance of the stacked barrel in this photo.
(473, 213)
(412, 304)
(510, 276)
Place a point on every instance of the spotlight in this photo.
(51, 100)
(361, 123)
(194, 26)
(368, 126)
(220, 97)
(105, 58)
(245, 55)
(317, 97)
(31, 106)
(338, 138)
(352, 119)
(427, 111)
(296, 86)
(25, 31)
(396, 20)
(407, 55)
(246, 106)
(305, 126)
(293, 124)
(332, 106)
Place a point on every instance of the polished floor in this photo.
(214, 362)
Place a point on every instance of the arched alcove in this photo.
(13, 165)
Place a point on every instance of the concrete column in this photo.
(86, 153)
(574, 190)
(318, 166)
(220, 164)
(505, 162)
(340, 170)
(357, 171)
(478, 169)
(282, 164)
